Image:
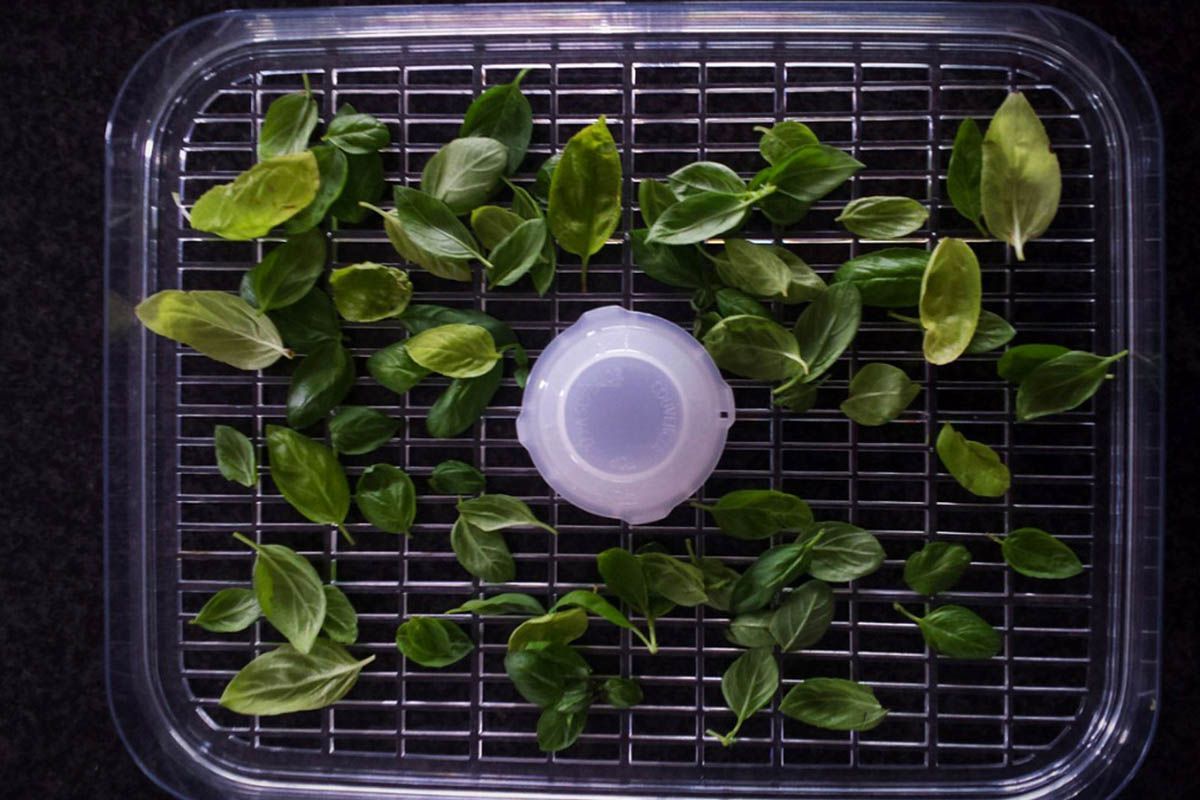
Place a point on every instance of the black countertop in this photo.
(61, 65)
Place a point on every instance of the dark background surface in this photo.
(62, 63)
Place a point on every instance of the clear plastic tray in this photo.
(1068, 708)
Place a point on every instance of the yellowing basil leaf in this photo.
(222, 326)
(269, 193)
(369, 292)
(456, 350)
(585, 193)
(975, 466)
(951, 292)
(882, 217)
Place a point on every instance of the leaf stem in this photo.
(652, 644)
(995, 538)
(583, 275)
(520, 76)
(904, 318)
(341, 527)
(245, 540)
(905, 612)
(307, 85)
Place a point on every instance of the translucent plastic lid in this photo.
(625, 414)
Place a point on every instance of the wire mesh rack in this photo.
(891, 97)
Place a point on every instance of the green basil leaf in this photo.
(492, 224)
(590, 601)
(355, 430)
(465, 172)
(804, 284)
(456, 477)
(1017, 362)
(517, 253)
(432, 227)
(463, 402)
(704, 176)
(748, 685)
(936, 567)
(308, 476)
(542, 675)
(841, 552)
(808, 174)
(542, 272)
(621, 692)
(585, 193)
(236, 458)
(964, 174)
(702, 216)
(624, 577)
(502, 113)
(676, 580)
(394, 368)
(364, 184)
(341, 621)
(878, 394)
(333, 169)
(387, 498)
(267, 194)
(975, 466)
(289, 592)
(732, 303)
(1020, 180)
(704, 323)
(956, 632)
(755, 269)
(682, 267)
(560, 627)
(494, 512)
(369, 292)
(288, 125)
(419, 318)
(752, 629)
(782, 139)
(222, 326)
(484, 554)
(504, 603)
(803, 618)
(951, 291)
(321, 381)
(558, 729)
(229, 611)
(888, 278)
(992, 333)
(433, 642)
(797, 396)
(285, 680)
(753, 347)
(308, 323)
(456, 350)
(826, 328)
(654, 197)
(834, 704)
(544, 177)
(758, 513)
(773, 570)
(1037, 554)
(355, 133)
(883, 217)
(1063, 383)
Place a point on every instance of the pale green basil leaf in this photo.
(502, 113)
(431, 227)
(732, 303)
(585, 192)
(289, 592)
(369, 292)
(229, 611)
(878, 394)
(308, 323)
(544, 177)
(542, 675)
(682, 267)
(285, 680)
(704, 176)
(355, 430)
(463, 402)
(308, 476)
(334, 170)
(456, 477)
(804, 284)
(782, 139)
(341, 621)
(394, 368)
(484, 554)
(504, 603)
(701, 216)
(623, 576)
(758, 513)
(936, 567)
(752, 629)
(453, 238)
(1037, 554)
(834, 704)
(883, 217)
(841, 552)
(654, 197)
(748, 685)
(951, 292)
(590, 601)
(676, 580)
(492, 224)
(1063, 383)
(888, 278)
(803, 618)
(421, 317)
(1017, 362)
(236, 459)
(494, 512)
(321, 381)
(517, 253)
(992, 332)
(826, 328)
(957, 632)
(810, 172)
(267, 194)
(754, 269)
(355, 133)
(456, 350)
(964, 173)
(286, 274)
(433, 642)
(222, 326)
(289, 123)
(560, 627)
(465, 172)
(387, 498)
(975, 466)
(364, 184)
(621, 692)
(753, 347)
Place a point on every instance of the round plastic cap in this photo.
(625, 414)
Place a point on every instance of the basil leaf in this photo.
(1037, 554)
(456, 477)
(355, 430)
(229, 611)
(267, 194)
(804, 284)
(732, 303)
(355, 133)
(956, 632)
(752, 629)
(795, 395)
(236, 459)
(558, 729)
(888, 278)
(559, 627)
(753, 347)
(758, 513)
(590, 601)
(456, 350)
(219, 325)
(341, 621)
(364, 184)
(992, 333)
(484, 554)
(964, 174)
(804, 177)
(1020, 180)
(974, 465)
(951, 291)
(431, 227)
(719, 579)
(704, 176)
(463, 403)
(502, 113)
(936, 567)
(803, 618)
(585, 193)
(773, 570)
(682, 267)
(676, 580)
(654, 197)
(333, 169)
(834, 704)
(419, 318)
(308, 476)
(289, 123)
(702, 216)
(841, 552)
(826, 328)
(704, 323)
(494, 512)
(433, 642)
(878, 394)
(542, 675)
(369, 292)
(623, 575)
(321, 381)
(387, 498)
(1017, 362)
(542, 272)
(289, 592)
(883, 217)
(621, 692)
(754, 269)
(465, 172)
(1062, 383)
(748, 685)
(517, 253)
(286, 680)
(782, 139)
(504, 603)
(394, 368)
(492, 224)
(309, 322)
(545, 175)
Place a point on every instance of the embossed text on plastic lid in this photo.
(625, 414)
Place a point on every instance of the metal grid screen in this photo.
(895, 104)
